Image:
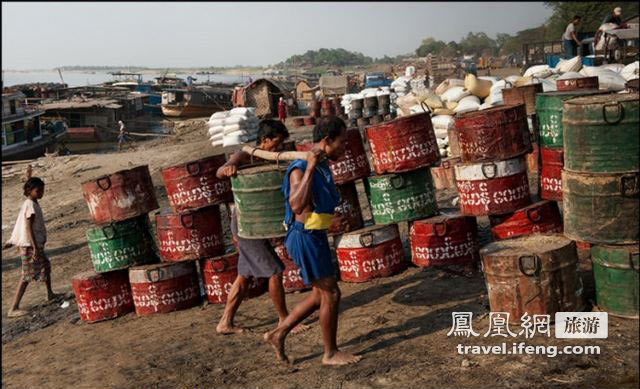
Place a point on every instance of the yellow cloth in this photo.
(318, 221)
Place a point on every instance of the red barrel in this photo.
(551, 174)
(219, 274)
(352, 165)
(297, 122)
(369, 253)
(577, 84)
(164, 287)
(190, 235)
(541, 217)
(403, 144)
(194, 184)
(102, 296)
(122, 195)
(309, 120)
(291, 278)
(348, 215)
(492, 187)
(493, 134)
(444, 240)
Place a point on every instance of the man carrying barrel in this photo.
(256, 258)
(310, 199)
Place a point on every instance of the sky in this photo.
(182, 34)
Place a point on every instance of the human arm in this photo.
(300, 197)
(230, 168)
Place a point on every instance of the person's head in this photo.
(34, 188)
(331, 133)
(281, 99)
(617, 11)
(576, 19)
(120, 122)
(271, 134)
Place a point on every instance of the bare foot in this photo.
(228, 329)
(340, 358)
(16, 313)
(277, 342)
(299, 328)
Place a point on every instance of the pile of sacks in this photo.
(234, 127)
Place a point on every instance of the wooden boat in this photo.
(195, 101)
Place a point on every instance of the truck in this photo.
(376, 80)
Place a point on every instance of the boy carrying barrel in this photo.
(310, 199)
(257, 258)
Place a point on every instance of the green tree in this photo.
(478, 43)
(429, 46)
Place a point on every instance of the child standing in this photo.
(29, 236)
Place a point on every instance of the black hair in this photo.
(269, 128)
(329, 126)
(577, 17)
(31, 184)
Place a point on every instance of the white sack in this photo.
(454, 94)
(442, 122)
(614, 67)
(540, 71)
(611, 81)
(468, 104)
(448, 84)
(216, 130)
(220, 115)
(248, 111)
(630, 71)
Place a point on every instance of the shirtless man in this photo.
(310, 199)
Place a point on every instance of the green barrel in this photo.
(601, 133)
(401, 196)
(122, 244)
(549, 115)
(601, 208)
(615, 270)
(257, 192)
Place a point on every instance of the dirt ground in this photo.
(398, 324)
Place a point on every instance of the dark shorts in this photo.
(256, 258)
(34, 269)
(310, 250)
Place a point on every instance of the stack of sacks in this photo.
(539, 71)
(401, 86)
(448, 84)
(418, 85)
(441, 125)
(231, 128)
(469, 103)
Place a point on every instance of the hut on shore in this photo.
(264, 94)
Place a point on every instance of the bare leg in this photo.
(276, 292)
(15, 308)
(238, 291)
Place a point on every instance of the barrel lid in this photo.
(527, 245)
(160, 271)
(577, 92)
(263, 168)
(368, 237)
(114, 173)
(605, 98)
(201, 160)
(489, 170)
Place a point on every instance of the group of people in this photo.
(570, 39)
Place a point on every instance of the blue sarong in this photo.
(309, 250)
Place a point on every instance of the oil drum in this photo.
(522, 95)
(369, 253)
(403, 144)
(401, 197)
(371, 102)
(490, 188)
(369, 112)
(348, 215)
(542, 217)
(291, 277)
(119, 196)
(384, 100)
(615, 270)
(102, 296)
(164, 287)
(536, 275)
(444, 240)
(194, 184)
(551, 174)
(219, 274)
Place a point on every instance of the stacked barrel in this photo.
(370, 110)
(526, 95)
(600, 192)
(119, 204)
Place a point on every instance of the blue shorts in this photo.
(310, 250)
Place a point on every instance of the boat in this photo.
(197, 101)
(22, 135)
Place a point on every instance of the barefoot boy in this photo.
(310, 199)
(29, 236)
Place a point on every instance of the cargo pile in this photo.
(234, 127)
(370, 106)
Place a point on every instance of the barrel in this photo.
(492, 187)
(449, 239)
(357, 103)
(371, 102)
(257, 191)
(370, 253)
(551, 173)
(601, 133)
(403, 144)
(219, 274)
(384, 110)
(164, 287)
(384, 100)
(190, 235)
(573, 84)
(119, 196)
(549, 115)
(291, 278)
(352, 165)
(601, 208)
(355, 113)
(121, 244)
(615, 270)
(194, 184)
(369, 112)
(348, 215)
(102, 296)
(522, 95)
(536, 275)
(493, 134)
(542, 217)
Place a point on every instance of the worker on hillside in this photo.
(569, 39)
(615, 17)
(282, 110)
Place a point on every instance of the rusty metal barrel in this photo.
(533, 274)
(102, 296)
(601, 133)
(194, 184)
(219, 274)
(552, 161)
(573, 84)
(601, 208)
(493, 134)
(542, 217)
(523, 95)
(257, 192)
(450, 239)
(119, 196)
(403, 144)
(615, 270)
(348, 215)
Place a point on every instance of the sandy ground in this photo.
(398, 324)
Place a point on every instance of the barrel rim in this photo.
(605, 98)
(495, 248)
(184, 165)
(117, 172)
(262, 168)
